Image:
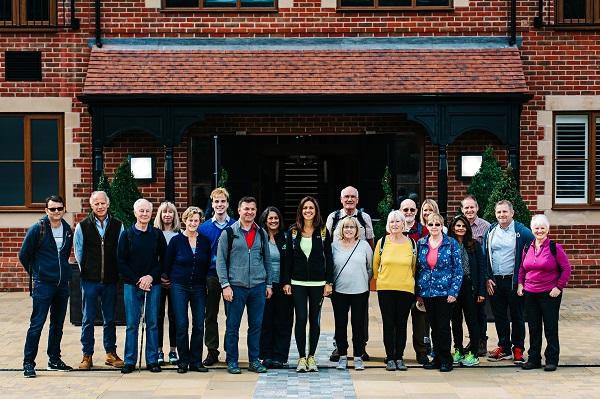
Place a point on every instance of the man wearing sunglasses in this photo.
(416, 230)
(45, 256)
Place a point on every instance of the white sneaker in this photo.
(342, 363)
(358, 363)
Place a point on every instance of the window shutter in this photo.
(571, 159)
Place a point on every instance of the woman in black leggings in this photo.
(308, 276)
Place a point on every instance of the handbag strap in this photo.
(347, 260)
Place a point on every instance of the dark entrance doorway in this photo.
(280, 170)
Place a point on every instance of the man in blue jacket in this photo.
(503, 246)
(244, 273)
(45, 256)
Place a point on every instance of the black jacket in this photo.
(99, 255)
(318, 266)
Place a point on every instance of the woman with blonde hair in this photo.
(428, 207)
(167, 220)
(352, 271)
(187, 262)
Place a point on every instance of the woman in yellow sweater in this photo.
(394, 270)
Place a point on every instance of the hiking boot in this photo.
(391, 365)
(233, 368)
(519, 356)
(256, 367)
(400, 365)
(335, 355)
(531, 366)
(482, 348)
(302, 365)
(358, 363)
(86, 363)
(153, 367)
(312, 365)
(212, 357)
(469, 360)
(29, 370)
(161, 358)
(59, 365)
(550, 367)
(198, 368)
(343, 363)
(127, 368)
(445, 368)
(173, 357)
(422, 358)
(365, 356)
(497, 355)
(112, 359)
(457, 356)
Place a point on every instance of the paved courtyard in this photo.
(578, 375)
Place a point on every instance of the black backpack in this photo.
(336, 220)
(231, 236)
(552, 248)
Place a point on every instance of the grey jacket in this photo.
(247, 268)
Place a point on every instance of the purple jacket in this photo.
(541, 272)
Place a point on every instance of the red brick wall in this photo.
(555, 63)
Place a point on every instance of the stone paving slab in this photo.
(578, 375)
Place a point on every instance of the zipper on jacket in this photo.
(249, 259)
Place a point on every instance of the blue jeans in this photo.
(46, 297)
(505, 298)
(89, 297)
(189, 350)
(134, 298)
(253, 299)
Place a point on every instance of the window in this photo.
(27, 13)
(577, 159)
(31, 165)
(577, 12)
(179, 5)
(394, 4)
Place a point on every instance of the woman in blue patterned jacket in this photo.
(439, 277)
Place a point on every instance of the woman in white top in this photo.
(352, 271)
(167, 220)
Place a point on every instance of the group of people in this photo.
(280, 278)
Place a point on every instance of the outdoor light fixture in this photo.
(142, 167)
(468, 164)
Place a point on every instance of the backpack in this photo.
(231, 236)
(38, 245)
(413, 245)
(323, 236)
(336, 219)
(552, 248)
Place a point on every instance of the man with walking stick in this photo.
(140, 258)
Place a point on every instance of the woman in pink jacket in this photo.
(543, 275)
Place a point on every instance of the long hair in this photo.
(467, 240)
(262, 221)
(158, 222)
(317, 220)
(431, 203)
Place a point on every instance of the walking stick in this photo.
(143, 329)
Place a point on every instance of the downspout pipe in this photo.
(513, 23)
(75, 22)
(98, 29)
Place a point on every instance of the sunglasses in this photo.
(434, 224)
(409, 210)
(59, 209)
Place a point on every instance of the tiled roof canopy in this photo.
(315, 72)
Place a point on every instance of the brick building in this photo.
(315, 95)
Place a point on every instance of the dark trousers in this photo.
(467, 304)
(186, 298)
(50, 298)
(211, 324)
(420, 329)
(356, 304)
(482, 320)
(395, 307)
(165, 299)
(505, 298)
(439, 312)
(542, 308)
(277, 324)
(314, 296)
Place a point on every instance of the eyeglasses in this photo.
(347, 197)
(59, 209)
(409, 210)
(350, 227)
(434, 224)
